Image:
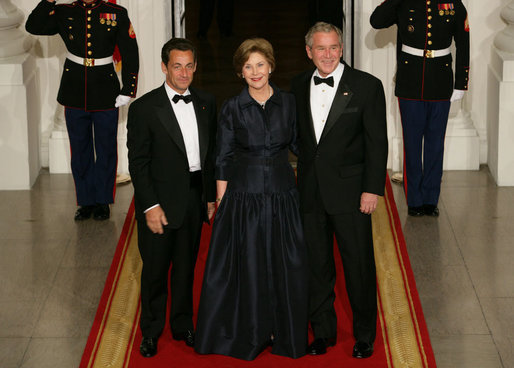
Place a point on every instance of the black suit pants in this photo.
(178, 248)
(353, 233)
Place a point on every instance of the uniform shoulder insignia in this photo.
(466, 24)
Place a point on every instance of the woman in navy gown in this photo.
(255, 287)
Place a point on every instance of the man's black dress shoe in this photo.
(416, 211)
(362, 350)
(431, 210)
(319, 346)
(84, 212)
(101, 212)
(148, 347)
(187, 336)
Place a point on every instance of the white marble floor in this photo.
(53, 270)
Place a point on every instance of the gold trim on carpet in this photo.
(115, 334)
(402, 339)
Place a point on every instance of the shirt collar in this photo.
(245, 99)
(336, 74)
(171, 92)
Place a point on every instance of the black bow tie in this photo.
(329, 81)
(187, 98)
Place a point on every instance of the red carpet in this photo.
(402, 337)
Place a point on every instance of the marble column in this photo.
(500, 112)
(19, 103)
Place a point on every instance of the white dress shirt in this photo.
(321, 99)
(186, 118)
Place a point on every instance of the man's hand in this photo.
(368, 203)
(155, 218)
(122, 100)
(457, 95)
(211, 207)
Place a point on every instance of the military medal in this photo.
(446, 8)
(108, 18)
(410, 28)
(452, 12)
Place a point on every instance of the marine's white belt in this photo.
(427, 53)
(89, 61)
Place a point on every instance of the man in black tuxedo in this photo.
(171, 140)
(341, 172)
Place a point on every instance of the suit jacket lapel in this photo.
(305, 94)
(203, 124)
(341, 100)
(169, 120)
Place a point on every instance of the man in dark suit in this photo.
(171, 139)
(425, 86)
(90, 91)
(341, 172)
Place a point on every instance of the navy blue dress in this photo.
(256, 277)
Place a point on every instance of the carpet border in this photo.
(422, 335)
(96, 331)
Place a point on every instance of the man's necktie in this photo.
(187, 98)
(329, 81)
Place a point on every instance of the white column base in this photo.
(60, 155)
(59, 152)
(19, 127)
(500, 117)
(461, 145)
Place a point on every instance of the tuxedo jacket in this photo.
(157, 156)
(351, 156)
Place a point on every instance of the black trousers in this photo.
(354, 237)
(178, 248)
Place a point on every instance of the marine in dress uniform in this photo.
(90, 90)
(425, 86)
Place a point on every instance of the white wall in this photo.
(485, 23)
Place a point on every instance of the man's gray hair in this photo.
(323, 27)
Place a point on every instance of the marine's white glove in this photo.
(457, 95)
(122, 100)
